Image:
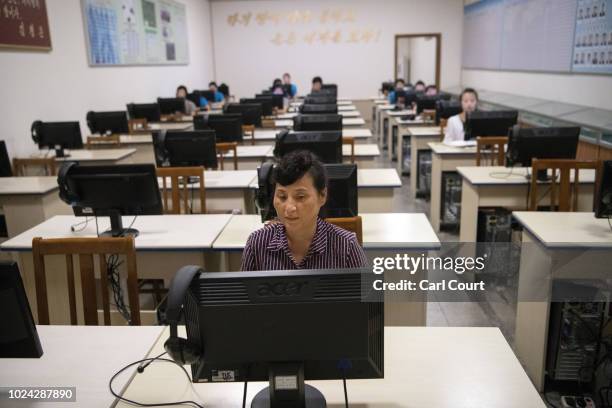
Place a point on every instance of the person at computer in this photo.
(431, 90)
(454, 127)
(317, 84)
(400, 85)
(190, 107)
(212, 86)
(277, 87)
(289, 88)
(299, 239)
(419, 86)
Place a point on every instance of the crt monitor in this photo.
(170, 106)
(227, 126)
(278, 101)
(111, 190)
(5, 161)
(445, 109)
(176, 148)
(603, 193)
(405, 98)
(267, 108)
(321, 100)
(341, 192)
(148, 111)
(57, 135)
(425, 102)
(251, 112)
(301, 325)
(489, 123)
(19, 338)
(326, 145)
(317, 122)
(107, 122)
(319, 109)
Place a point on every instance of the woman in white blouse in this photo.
(454, 126)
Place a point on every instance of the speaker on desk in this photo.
(602, 204)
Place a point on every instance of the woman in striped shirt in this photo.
(300, 239)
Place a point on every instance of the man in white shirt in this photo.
(454, 127)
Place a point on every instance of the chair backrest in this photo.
(567, 199)
(349, 140)
(352, 224)
(20, 165)
(249, 131)
(135, 125)
(223, 148)
(85, 248)
(103, 141)
(496, 145)
(179, 180)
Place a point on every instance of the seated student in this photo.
(277, 87)
(190, 107)
(431, 90)
(399, 86)
(419, 86)
(290, 89)
(212, 86)
(454, 127)
(300, 239)
(317, 84)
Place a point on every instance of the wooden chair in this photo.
(249, 131)
(352, 224)
(567, 199)
(496, 144)
(223, 148)
(108, 141)
(179, 177)
(349, 140)
(20, 166)
(137, 125)
(443, 122)
(428, 115)
(85, 248)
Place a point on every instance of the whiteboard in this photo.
(135, 32)
(538, 35)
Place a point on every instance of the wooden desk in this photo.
(445, 159)
(477, 368)
(420, 137)
(393, 138)
(343, 112)
(374, 188)
(365, 153)
(94, 156)
(386, 132)
(85, 357)
(380, 116)
(166, 242)
(249, 157)
(555, 245)
(384, 234)
(495, 186)
(265, 136)
(283, 123)
(28, 201)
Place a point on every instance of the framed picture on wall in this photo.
(24, 25)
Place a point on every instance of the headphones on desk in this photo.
(179, 349)
(265, 191)
(66, 194)
(159, 148)
(35, 130)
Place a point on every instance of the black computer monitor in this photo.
(175, 148)
(425, 102)
(251, 112)
(148, 111)
(277, 99)
(111, 190)
(317, 122)
(321, 100)
(195, 97)
(5, 161)
(445, 109)
(387, 87)
(525, 144)
(489, 123)
(169, 106)
(57, 135)
(19, 338)
(208, 94)
(107, 122)
(326, 145)
(227, 126)
(319, 109)
(330, 88)
(602, 203)
(300, 324)
(405, 98)
(267, 108)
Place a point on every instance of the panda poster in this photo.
(135, 32)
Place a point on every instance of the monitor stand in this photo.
(59, 152)
(541, 175)
(117, 229)
(287, 389)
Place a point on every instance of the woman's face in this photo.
(469, 102)
(297, 205)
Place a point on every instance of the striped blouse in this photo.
(331, 248)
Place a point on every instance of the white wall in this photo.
(60, 85)
(423, 60)
(580, 89)
(248, 61)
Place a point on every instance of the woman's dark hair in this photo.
(419, 82)
(294, 165)
(397, 81)
(277, 82)
(212, 83)
(468, 90)
(317, 79)
(428, 87)
(183, 87)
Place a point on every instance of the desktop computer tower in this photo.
(394, 131)
(451, 200)
(406, 156)
(384, 133)
(423, 173)
(495, 243)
